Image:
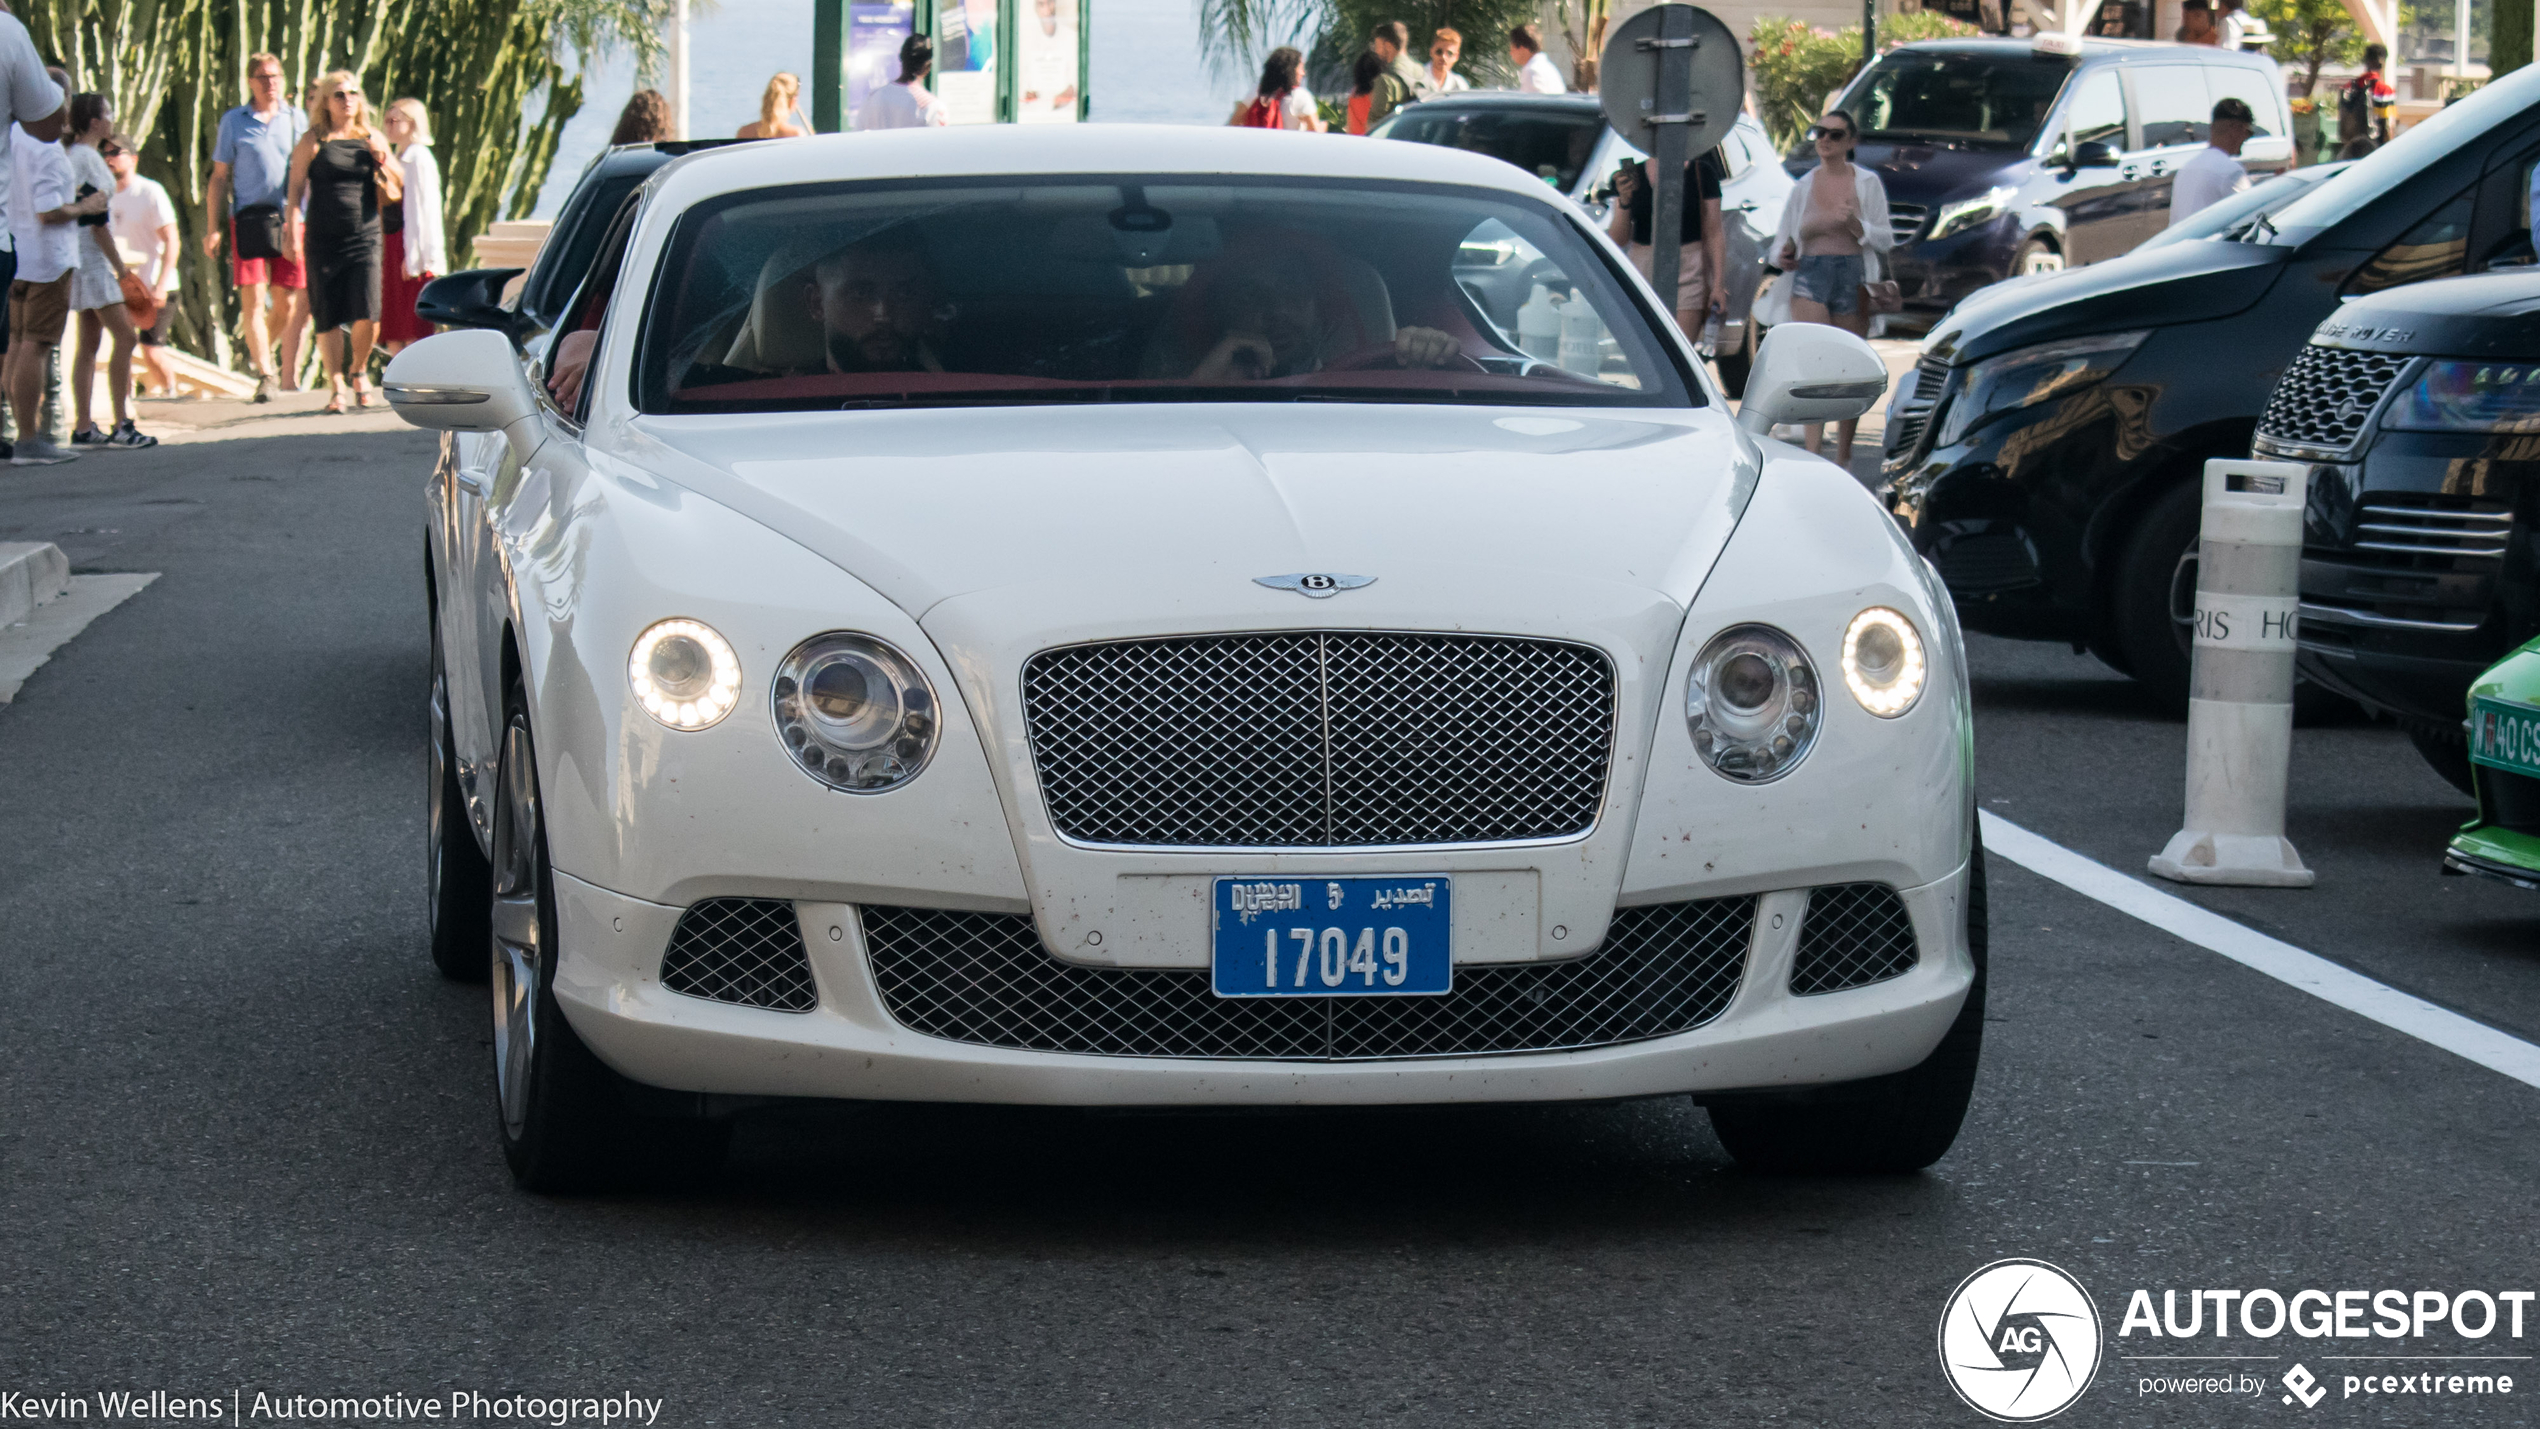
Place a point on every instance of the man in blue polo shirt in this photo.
(251, 168)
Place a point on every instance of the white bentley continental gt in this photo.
(1176, 618)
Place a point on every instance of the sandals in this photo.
(335, 403)
(362, 394)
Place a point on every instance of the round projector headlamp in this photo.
(1883, 662)
(1753, 704)
(684, 674)
(856, 714)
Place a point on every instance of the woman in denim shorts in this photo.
(1834, 227)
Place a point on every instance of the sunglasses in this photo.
(109, 151)
(1822, 132)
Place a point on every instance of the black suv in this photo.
(2045, 453)
(2419, 411)
(2006, 157)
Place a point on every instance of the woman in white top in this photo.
(1281, 100)
(97, 288)
(416, 250)
(1833, 229)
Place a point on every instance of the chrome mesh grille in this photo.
(1852, 935)
(741, 950)
(1321, 739)
(2326, 396)
(983, 978)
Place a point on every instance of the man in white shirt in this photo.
(32, 98)
(906, 103)
(143, 222)
(2215, 173)
(44, 221)
(1536, 73)
(2233, 24)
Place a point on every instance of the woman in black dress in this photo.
(343, 171)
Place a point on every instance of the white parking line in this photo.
(2252, 949)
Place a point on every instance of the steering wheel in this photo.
(1382, 355)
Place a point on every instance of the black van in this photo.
(2046, 451)
(2005, 157)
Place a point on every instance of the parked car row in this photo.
(2044, 453)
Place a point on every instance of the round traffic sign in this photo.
(1628, 75)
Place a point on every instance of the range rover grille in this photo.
(1321, 739)
(2326, 396)
(984, 978)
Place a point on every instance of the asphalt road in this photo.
(245, 1137)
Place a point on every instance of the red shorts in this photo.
(280, 272)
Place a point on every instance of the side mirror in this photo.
(460, 382)
(1809, 372)
(2094, 155)
(473, 299)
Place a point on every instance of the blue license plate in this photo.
(1331, 937)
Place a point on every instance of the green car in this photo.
(2504, 748)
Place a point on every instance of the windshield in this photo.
(1079, 288)
(2236, 217)
(1977, 101)
(1554, 147)
(2401, 159)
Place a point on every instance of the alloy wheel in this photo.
(518, 944)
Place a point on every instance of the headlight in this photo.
(2032, 375)
(1967, 213)
(1752, 703)
(684, 674)
(2469, 397)
(855, 713)
(1883, 662)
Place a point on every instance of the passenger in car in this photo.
(873, 305)
(1281, 314)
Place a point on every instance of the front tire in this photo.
(455, 872)
(1889, 1125)
(2154, 576)
(562, 1113)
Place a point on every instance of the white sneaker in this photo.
(41, 452)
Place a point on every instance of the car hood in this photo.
(2180, 283)
(1167, 515)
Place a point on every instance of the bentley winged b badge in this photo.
(1317, 585)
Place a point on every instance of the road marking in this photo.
(2287, 964)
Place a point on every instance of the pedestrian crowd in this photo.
(331, 217)
(1384, 78)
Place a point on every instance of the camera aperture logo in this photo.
(2019, 1341)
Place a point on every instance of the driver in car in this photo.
(1266, 319)
(878, 307)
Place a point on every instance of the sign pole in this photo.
(1674, 44)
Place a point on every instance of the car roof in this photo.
(2094, 51)
(991, 150)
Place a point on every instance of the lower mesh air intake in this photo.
(984, 978)
(747, 951)
(1853, 934)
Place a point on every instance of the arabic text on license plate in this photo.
(2505, 736)
(1331, 937)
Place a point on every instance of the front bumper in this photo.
(849, 1046)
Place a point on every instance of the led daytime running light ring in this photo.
(1904, 687)
(679, 710)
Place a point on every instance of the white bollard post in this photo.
(2240, 710)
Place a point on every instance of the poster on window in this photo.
(1046, 63)
(966, 60)
(875, 33)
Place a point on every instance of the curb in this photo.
(31, 573)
